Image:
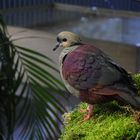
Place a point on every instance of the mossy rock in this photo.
(110, 122)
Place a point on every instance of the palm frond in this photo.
(29, 107)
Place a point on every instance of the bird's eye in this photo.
(64, 40)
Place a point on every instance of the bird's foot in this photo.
(87, 117)
(89, 111)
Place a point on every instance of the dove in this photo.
(91, 75)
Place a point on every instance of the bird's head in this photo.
(67, 39)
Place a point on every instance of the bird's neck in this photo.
(65, 51)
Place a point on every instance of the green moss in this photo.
(110, 122)
(136, 78)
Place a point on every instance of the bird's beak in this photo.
(56, 46)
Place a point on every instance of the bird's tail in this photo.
(132, 99)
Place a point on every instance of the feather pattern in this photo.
(86, 67)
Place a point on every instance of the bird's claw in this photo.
(87, 117)
(89, 111)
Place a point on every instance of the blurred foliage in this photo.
(29, 105)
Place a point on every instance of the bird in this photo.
(91, 75)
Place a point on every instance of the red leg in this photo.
(89, 112)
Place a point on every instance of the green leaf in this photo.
(37, 60)
(28, 92)
(33, 52)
